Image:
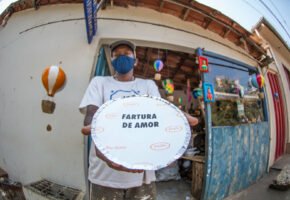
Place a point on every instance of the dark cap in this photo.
(114, 45)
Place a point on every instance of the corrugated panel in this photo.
(238, 158)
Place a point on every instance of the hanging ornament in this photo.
(254, 82)
(53, 79)
(241, 91)
(260, 81)
(197, 93)
(203, 64)
(158, 66)
(180, 100)
(168, 86)
(208, 92)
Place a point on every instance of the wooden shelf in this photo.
(194, 158)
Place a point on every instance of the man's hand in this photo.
(191, 120)
(86, 130)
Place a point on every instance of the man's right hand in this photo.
(86, 130)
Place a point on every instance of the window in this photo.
(230, 108)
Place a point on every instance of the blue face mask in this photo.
(123, 64)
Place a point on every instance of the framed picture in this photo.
(208, 92)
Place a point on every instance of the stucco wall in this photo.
(34, 39)
(27, 151)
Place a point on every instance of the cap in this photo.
(114, 45)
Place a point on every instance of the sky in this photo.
(245, 12)
(248, 13)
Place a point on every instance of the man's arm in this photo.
(91, 110)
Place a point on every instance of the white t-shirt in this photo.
(100, 90)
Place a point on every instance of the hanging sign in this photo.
(90, 7)
(141, 132)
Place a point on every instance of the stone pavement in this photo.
(260, 190)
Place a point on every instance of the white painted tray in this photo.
(140, 132)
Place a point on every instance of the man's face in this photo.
(122, 50)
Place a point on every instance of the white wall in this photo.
(27, 151)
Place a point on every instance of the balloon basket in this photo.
(47, 106)
(170, 98)
(157, 77)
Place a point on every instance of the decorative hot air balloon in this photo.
(53, 79)
(168, 85)
(158, 66)
(260, 81)
(254, 82)
(197, 93)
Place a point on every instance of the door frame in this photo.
(279, 114)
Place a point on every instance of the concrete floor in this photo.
(173, 190)
(260, 190)
(179, 190)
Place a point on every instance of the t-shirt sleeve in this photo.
(93, 95)
(153, 89)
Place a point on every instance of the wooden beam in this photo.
(206, 23)
(181, 62)
(192, 2)
(146, 67)
(185, 13)
(227, 31)
(144, 59)
(161, 4)
(36, 4)
(243, 41)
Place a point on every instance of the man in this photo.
(110, 180)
